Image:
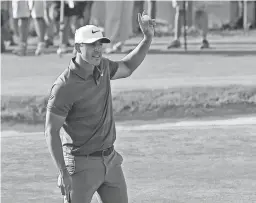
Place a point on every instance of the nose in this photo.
(98, 48)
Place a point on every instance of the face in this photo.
(91, 53)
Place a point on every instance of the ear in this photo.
(77, 47)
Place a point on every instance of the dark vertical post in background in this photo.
(185, 25)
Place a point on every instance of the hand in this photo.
(174, 3)
(146, 25)
(65, 184)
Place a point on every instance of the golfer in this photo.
(80, 102)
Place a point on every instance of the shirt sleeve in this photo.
(60, 100)
(113, 66)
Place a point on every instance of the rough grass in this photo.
(146, 104)
(212, 165)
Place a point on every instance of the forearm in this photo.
(55, 148)
(135, 58)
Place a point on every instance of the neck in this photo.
(83, 64)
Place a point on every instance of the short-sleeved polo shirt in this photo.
(85, 99)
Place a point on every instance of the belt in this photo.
(105, 152)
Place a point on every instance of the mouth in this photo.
(97, 57)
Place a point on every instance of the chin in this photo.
(96, 62)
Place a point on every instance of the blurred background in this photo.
(170, 161)
(39, 21)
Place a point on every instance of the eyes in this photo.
(93, 45)
(97, 44)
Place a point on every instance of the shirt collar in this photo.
(77, 69)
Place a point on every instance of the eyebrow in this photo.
(93, 44)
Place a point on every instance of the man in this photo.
(22, 10)
(118, 24)
(81, 103)
(138, 7)
(6, 34)
(201, 20)
(76, 14)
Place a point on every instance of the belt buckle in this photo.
(103, 151)
(106, 150)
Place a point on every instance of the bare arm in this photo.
(59, 104)
(132, 61)
(53, 125)
(135, 58)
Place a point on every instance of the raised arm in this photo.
(132, 61)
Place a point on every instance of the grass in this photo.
(34, 76)
(196, 165)
(165, 86)
(146, 104)
(180, 165)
